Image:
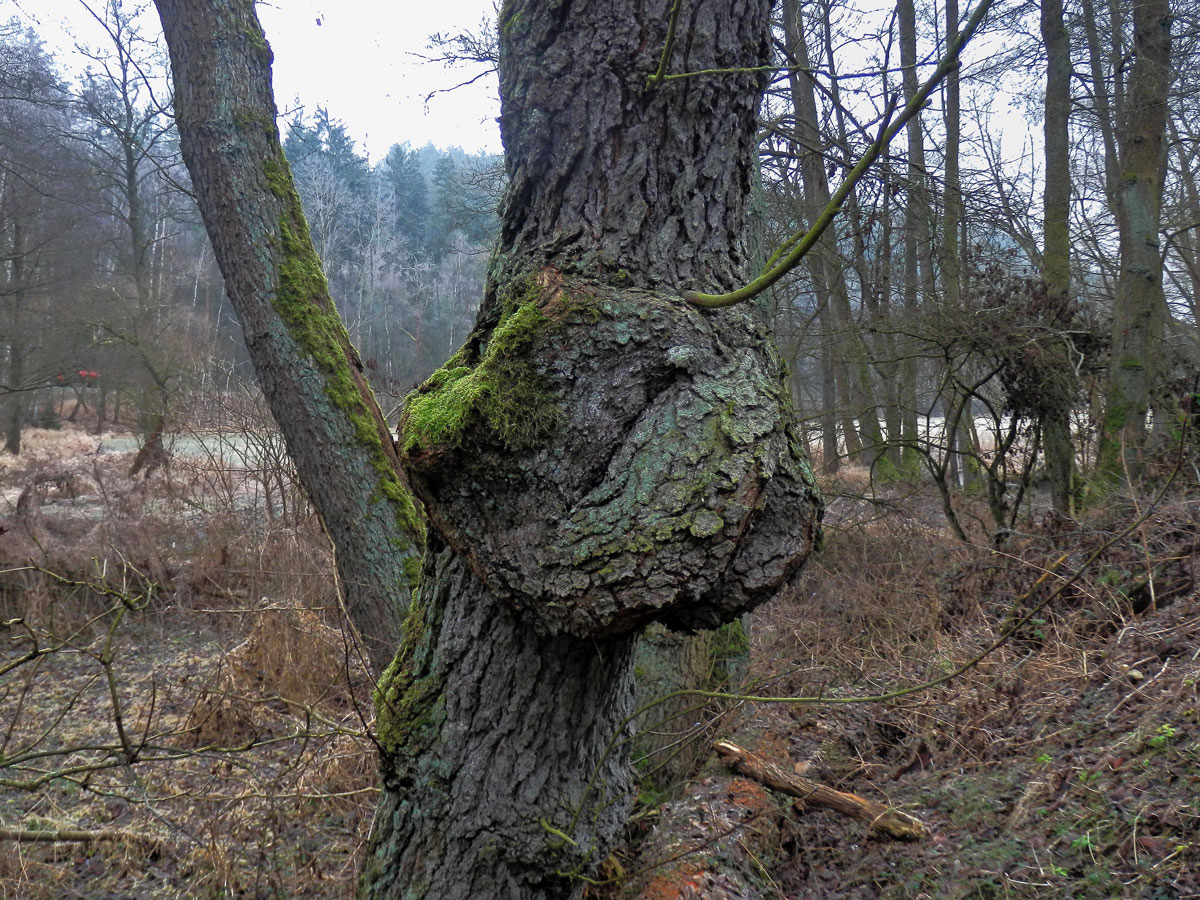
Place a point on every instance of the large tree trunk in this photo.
(1139, 309)
(491, 736)
(598, 455)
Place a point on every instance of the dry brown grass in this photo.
(247, 715)
(1061, 743)
(289, 660)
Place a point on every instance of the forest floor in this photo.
(1064, 763)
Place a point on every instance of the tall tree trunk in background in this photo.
(830, 458)
(1186, 244)
(952, 202)
(875, 276)
(1058, 397)
(824, 262)
(14, 418)
(115, 106)
(842, 380)
(308, 371)
(918, 219)
(1103, 109)
(598, 455)
(1140, 308)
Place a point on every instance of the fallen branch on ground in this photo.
(66, 835)
(879, 817)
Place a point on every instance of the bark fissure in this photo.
(548, 700)
(576, 102)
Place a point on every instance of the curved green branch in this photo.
(784, 260)
(660, 74)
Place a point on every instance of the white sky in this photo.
(360, 62)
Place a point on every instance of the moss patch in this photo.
(502, 393)
(307, 311)
(407, 708)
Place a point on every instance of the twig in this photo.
(74, 835)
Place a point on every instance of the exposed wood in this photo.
(882, 818)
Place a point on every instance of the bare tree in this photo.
(128, 130)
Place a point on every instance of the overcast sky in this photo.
(358, 58)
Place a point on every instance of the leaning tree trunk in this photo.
(310, 374)
(1139, 308)
(598, 455)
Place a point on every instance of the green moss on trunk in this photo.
(303, 303)
(408, 709)
(501, 392)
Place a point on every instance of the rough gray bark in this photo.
(610, 179)
(665, 491)
(506, 731)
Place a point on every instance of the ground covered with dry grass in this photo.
(182, 715)
(1064, 763)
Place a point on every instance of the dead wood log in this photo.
(878, 817)
(73, 835)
